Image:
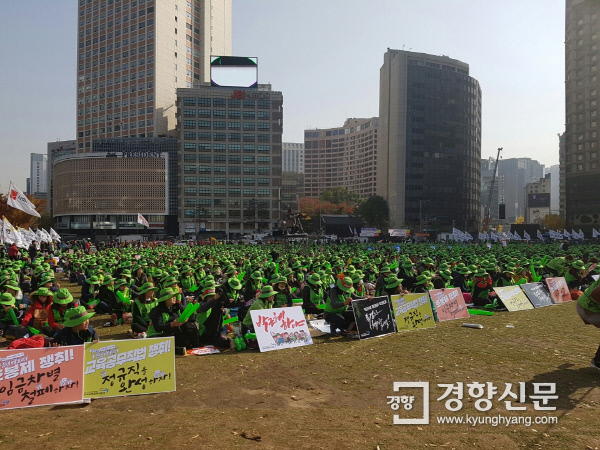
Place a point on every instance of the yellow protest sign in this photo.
(413, 311)
(132, 367)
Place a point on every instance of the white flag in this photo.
(581, 235)
(595, 233)
(566, 234)
(47, 236)
(526, 235)
(54, 235)
(516, 236)
(539, 235)
(143, 221)
(18, 200)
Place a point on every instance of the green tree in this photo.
(339, 195)
(554, 222)
(374, 211)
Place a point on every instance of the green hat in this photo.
(345, 285)
(230, 270)
(422, 279)
(385, 268)
(314, 279)
(209, 291)
(446, 274)
(392, 281)
(168, 281)
(234, 283)
(11, 284)
(126, 272)
(356, 277)
(256, 276)
(45, 280)
(120, 283)
(93, 280)
(407, 264)
(186, 268)
(281, 280)
(76, 316)
(480, 273)
(63, 297)
(428, 261)
(147, 287)
(578, 264)
(42, 292)
(107, 280)
(509, 269)
(7, 299)
(297, 265)
(166, 293)
(266, 291)
(287, 272)
(208, 280)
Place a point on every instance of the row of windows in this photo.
(235, 181)
(220, 125)
(235, 148)
(232, 114)
(236, 137)
(222, 214)
(232, 103)
(248, 192)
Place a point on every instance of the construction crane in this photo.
(486, 219)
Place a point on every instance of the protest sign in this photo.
(132, 367)
(373, 317)
(41, 376)
(279, 328)
(559, 290)
(449, 304)
(206, 350)
(413, 311)
(320, 325)
(538, 294)
(513, 298)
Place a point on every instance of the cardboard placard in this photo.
(449, 304)
(413, 311)
(373, 317)
(538, 294)
(279, 328)
(513, 298)
(559, 290)
(41, 376)
(131, 367)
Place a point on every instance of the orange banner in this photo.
(41, 376)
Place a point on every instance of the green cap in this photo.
(63, 297)
(76, 316)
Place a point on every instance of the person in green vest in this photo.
(8, 327)
(556, 267)
(313, 295)
(394, 286)
(588, 308)
(506, 278)
(63, 300)
(265, 300)
(123, 298)
(574, 274)
(77, 329)
(187, 280)
(253, 285)
(283, 296)
(164, 321)
(422, 284)
(210, 317)
(106, 296)
(337, 313)
(89, 292)
(140, 310)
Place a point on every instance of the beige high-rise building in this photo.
(133, 55)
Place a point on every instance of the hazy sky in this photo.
(324, 55)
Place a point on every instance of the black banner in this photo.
(373, 317)
(538, 294)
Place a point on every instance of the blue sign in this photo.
(369, 248)
(397, 247)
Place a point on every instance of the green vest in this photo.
(259, 303)
(188, 282)
(145, 308)
(568, 277)
(280, 300)
(330, 309)
(57, 317)
(585, 300)
(316, 298)
(152, 332)
(201, 318)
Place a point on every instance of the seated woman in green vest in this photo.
(123, 297)
(141, 310)
(313, 295)
(283, 296)
(265, 300)
(77, 329)
(337, 313)
(574, 274)
(210, 315)
(9, 324)
(63, 301)
(164, 320)
(187, 279)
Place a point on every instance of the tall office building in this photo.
(555, 188)
(38, 163)
(230, 159)
(344, 156)
(55, 150)
(293, 157)
(582, 85)
(429, 152)
(133, 55)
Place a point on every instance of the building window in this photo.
(204, 169)
(189, 191)
(249, 192)
(264, 159)
(248, 159)
(219, 125)
(264, 192)
(234, 137)
(234, 159)
(235, 181)
(235, 148)
(189, 180)
(189, 135)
